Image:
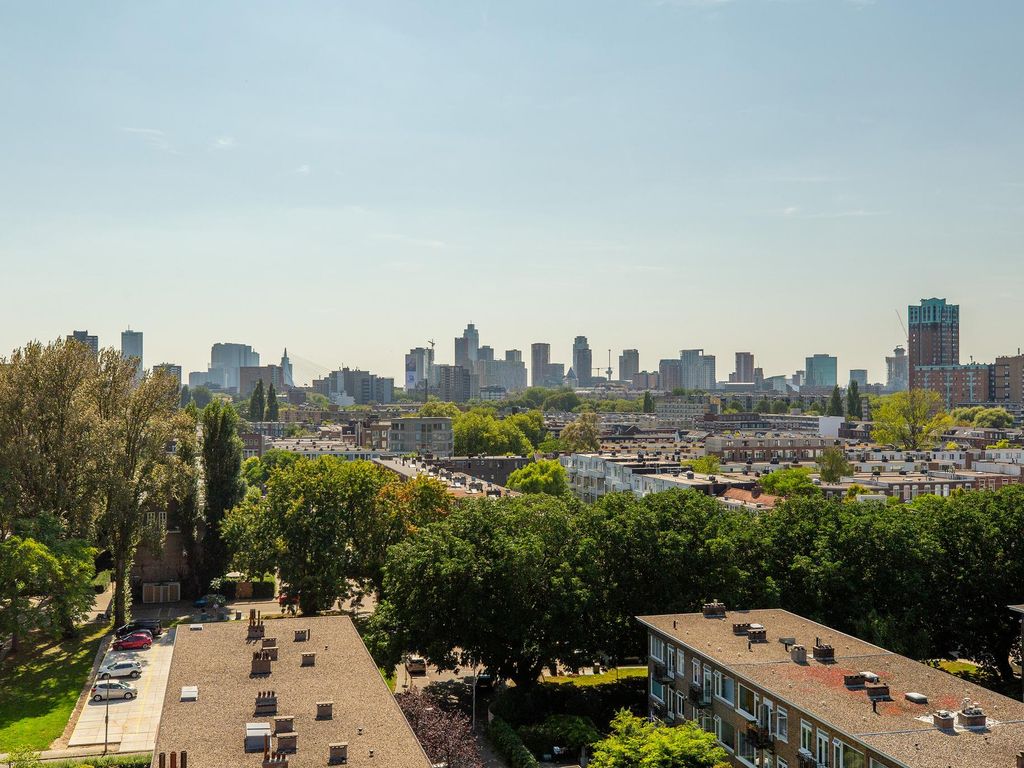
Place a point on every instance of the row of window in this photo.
(749, 703)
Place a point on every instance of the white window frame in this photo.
(650, 688)
(807, 728)
(680, 705)
(782, 716)
(731, 702)
(695, 667)
(839, 748)
(739, 699)
(657, 648)
(718, 684)
(822, 738)
(781, 763)
(670, 661)
(706, 682)
(680, 662)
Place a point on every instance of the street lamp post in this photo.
(106, 719)
(476, 677)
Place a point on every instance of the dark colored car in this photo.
(152, 625)
(133, 642)
(211, 600)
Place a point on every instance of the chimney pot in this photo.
(338, 753)
(324, 710)
(308, 660)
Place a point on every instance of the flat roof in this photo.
(217, 659)
(897, 728)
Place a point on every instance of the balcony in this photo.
(661, 673)
(805, 759)
(698, 696)
(760, 736)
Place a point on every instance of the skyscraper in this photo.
(897, 370)
(697, 370)
(467, 347)
(418, 363)
(582, 361)
(92, 342)
(822, 372)
(131, 349)
(860, 377)
(286, 366)
(629, 364)
(171, 369)
(540, 356)
(934, 329)
(226, 359)
(744, 368)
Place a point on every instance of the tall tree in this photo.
(582, 435)
(854, 408)
(257, 402)
(272, 405)
(635, 742)
(833, 466)
(835, 403)
(541, 476)
(648, 402)
(912, 420)
(140, 471)
(221, 452)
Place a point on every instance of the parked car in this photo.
(153, 625)
(211, 600)
(119, 667)
(113, 689)
(133, 642)
(416, 665)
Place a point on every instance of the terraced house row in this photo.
(781, 691)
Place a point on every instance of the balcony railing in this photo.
(698, 696)
(805, 759)
(760, 736)
(661, 673)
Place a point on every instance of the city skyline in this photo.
(518, 158)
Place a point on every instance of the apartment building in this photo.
(421, 434)
(782, 691)
(683, 411)
(787, 447)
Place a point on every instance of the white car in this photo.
(113, 689)
(120, 668)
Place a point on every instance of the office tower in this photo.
(582, 361)
(467, 347)
(171, 369)
(418, 363)
(540, 356)
(744, 368)
(859, 376)
(513, 356)
(225, 361)
(696, 370)
(1008, 379)
(248, 375)
(286, 366)
(354, 387)
(629, 365)
(454, 383)
(485, 353)
(92, 342)
(934, 329)
(131, 349)
(508, 374)
(897, 370)
(822, 372)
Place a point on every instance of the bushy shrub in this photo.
(599, 703)
(509, 745)
(568, 731)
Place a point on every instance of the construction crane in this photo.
(904, 327)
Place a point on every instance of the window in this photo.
(822, 751)
(696, 671)
(780, 763)
(746, 703)
(745, 748)
(806, 736)
(657, 690)
(680, 699)
(680, 663)
(670, 661)
(728, 690)
(728, 735)
(707, 683)
(846, 756)
(657, 648)
(718, 684)
(782, 724)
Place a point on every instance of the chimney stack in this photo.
(798, 654)
(339, 753)
(714, 610)
(325, 710)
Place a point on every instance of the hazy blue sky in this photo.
(351, 179)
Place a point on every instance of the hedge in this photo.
(109, 761)
(509, 745)
(262, 589)
(600, 703)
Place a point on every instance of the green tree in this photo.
(635, 742)
(185, 396)
(201, 396)
(763, 406)
(833, 466)
(257, 469)
(706, 465)
(257, 402)
(794, 481)
(531, 424)
(582, 435)
(835, 403)
(854, 407)
(491, 584)
(221, 453)
(912, 420)
(648, 406)
(561, 400)
(541, 476)
(140, 476)
(272, 404)
(435, 409)
(479, 432)
(994, 418)
(780, 406)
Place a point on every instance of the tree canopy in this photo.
(541, 476)
(582, 435)
(912, 420)
(635, 742)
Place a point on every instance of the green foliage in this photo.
(582, 435)
(435, 408)
(101, 581)
(531, 424)
(553, 445)
(780, 406)
(634, 742)
(998, 444)
(273, 407)
(541, 476)
(479, 432)
(912, 420)
(257, 402)
(571, 731)
(257, 469)
(221, 455)
(979, 416)
(854, 407)
(833, 466)
(561, 400)
(508, 744)
(763, 406)
(835, 403)
(794, 481)
(201, 397)
(597, 703)
(648, 404)
(706, 465)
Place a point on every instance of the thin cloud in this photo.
(224, 143)
(418, 242)
(302, 170)
(154, 137)
(794, 212)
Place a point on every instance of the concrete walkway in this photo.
(133, 724)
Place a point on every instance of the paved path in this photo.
(133, 724)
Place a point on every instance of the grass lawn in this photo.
(620, 673)
(978, 675)
(39, 687)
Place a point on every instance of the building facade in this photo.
(934, 329)
(582, 361)
(744, 368)
(629, 365)
(171, 369)
(422, 434)
(957, 384)
(455, 384)
(820, 372)
(1008, 380)
(84, 337)
(131, 349)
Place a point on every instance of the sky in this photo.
(352, 179)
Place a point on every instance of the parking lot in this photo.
(133, 724)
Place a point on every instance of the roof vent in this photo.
(943, 719)
(799, 654)
(715, 609)
(877, 690)
(870, 677)
(189, 693)
(971, 715)
(916, 698)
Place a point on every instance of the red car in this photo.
(133, 642)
